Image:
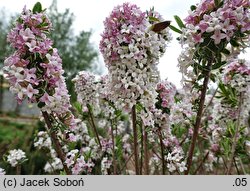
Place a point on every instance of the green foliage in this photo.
(173, 28)
(179, 22)
(15, 135)
(193, 7)
(228, 95)
(37, 8)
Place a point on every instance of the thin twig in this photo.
(199, 116)
(136, 154)
(113, 147)
(211, 100)
(145, 143)
(18, 169)
(242, 166)
(162, 152)
(156, 154)
(142, 149)
(235, 138)
(94, 127)
(56, 142)
(237, 169)
(124, 166)
(224, 162)
(204, 159)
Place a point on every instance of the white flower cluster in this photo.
(43, 141)
(131, 51)
(175, 161)
(237, 74)
(185, 63)
(85, 87)
(105, 165)
(16, 157)
(80, 132)
(182, 111)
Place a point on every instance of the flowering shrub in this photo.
(131, 50)
(130, 122)
(35, 69)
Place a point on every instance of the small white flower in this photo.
(2, 171)
(15, 157)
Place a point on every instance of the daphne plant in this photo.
(209, 31)
(35, 72)
(130, 122)
(131, 49)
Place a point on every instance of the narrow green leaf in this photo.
(175, 29)
(225, 51)
(37, 8)
(218, 65)
(153, 19)
(213, 77)
(234, 43)
(179, 22)
(193, 8)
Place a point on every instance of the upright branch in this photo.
(203, 33)
(162, 152)
(199, 115)
(113, 148)
(235, 138)
(126, 46)
(58, 147)
(142, 149)
(94, 126)
(146, 154)
(136, 154)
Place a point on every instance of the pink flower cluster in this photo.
(166, 91)
(35, 69)
(131, 51)
(219, 22)
(241, 67)
(77, 161)
(125, 23)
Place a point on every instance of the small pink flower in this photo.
(203, 26)
(30, 91)
(27, 34)
(215, 147)
(69, 162)
(46, 98)
(30, 73)
(198, 38)
(76, 169)
(218, 36)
